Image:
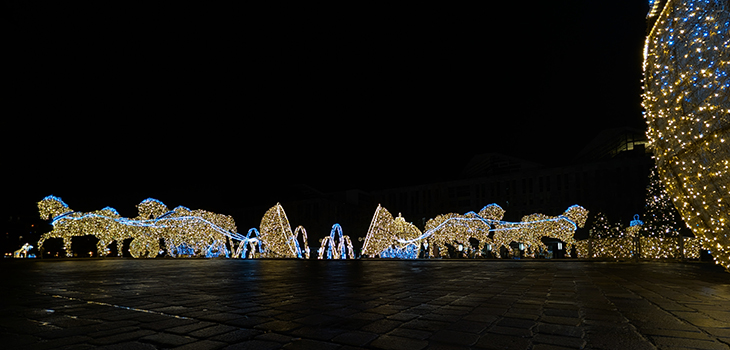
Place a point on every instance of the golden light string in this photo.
(687, 103)
(456, 228)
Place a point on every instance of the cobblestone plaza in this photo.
(377, 304)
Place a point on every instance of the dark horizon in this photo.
(112, 106)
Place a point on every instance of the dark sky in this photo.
(210, 107)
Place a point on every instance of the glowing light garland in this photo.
(535, 226)
(614, 242)
(687, 103)
(188, 233)
(385, 239)
(650, 247)
(185, 232)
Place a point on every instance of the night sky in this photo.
(214, 107)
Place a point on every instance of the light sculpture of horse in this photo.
(194, 232)
(456, 229)
(533, 227)
(486, 226)
(67, 224)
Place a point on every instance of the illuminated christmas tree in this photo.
(687, 103)
(661, 218)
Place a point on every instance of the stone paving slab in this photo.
(367, 304)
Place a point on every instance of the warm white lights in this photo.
(23, 251)
(277, 237)
(687, 102)
(394, 235)
(385, 233)
(184, 232)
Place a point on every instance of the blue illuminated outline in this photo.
(510, 225)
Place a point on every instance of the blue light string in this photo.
(490, 222)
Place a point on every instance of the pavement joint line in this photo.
(655, 304)
(627, 309)
(117, 306)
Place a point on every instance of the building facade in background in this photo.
(609, 175)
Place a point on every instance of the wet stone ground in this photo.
(271, 304)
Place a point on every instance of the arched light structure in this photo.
(687, 103)
(336, 245)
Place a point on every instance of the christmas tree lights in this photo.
(661, 217)
(687, 103)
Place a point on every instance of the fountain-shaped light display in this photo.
(486, 226)
(248, 247)
(336, 245)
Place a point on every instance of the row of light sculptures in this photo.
(393, 237)
(204, 234)
(687, 108)
(186, 233)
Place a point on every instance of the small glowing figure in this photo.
(23, 251)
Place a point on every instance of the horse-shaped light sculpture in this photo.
(486, 226)
(184, 232)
